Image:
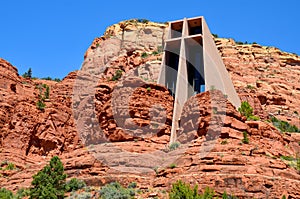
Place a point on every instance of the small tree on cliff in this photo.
(50, 181)
(247, 111)
(28, 74)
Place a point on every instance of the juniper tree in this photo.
(50, 181)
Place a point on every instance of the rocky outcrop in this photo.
(34, 131)
(134, 34)
(134, 109)
(206, 115)
(261, 72)
(211, 158)
(127, 45)
(253, 170)
(29, 136)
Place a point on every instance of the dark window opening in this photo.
(195, 78)
(195, 26)
(172, 62)
(176, 29)
(195, 65)
(172, 52)
(195, 30)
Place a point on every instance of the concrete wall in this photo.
(213, 68)
(216, 74)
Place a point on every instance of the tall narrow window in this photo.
(172, 62)
(195, 65)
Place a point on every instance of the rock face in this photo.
(125, 128)
(261, 72)
(146, 114)
(205, 113)
(140, 36)
(33, 131)
(247, 170)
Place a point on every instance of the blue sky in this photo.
(51, 37)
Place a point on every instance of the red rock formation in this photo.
(131, 118)
(211, 153)
(261, 72)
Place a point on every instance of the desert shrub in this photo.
(226, 196)
(117, 76)
(143, 20)
(253, 118)
(155, 53)
(57, 80)
(156, 170)
(21, 193)
(223, 142)
(174, 146)
(239, 42)
(115, 191)
(245, 139)
(284, 126)
(6, 194)
(49, 78)
(83, 195)
(181, 190)
(172, 166)
(247, 111)
(132, 185)
(291, 161)
(287, 158)
(298, 163)
(50, 181)
(40, 104)
(47, 92)
(249, 86)
(144, 55)
(74, 184)
(215, 35)
(10, 166)
(208, 193)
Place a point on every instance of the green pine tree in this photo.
(49, 182)
(28, 74)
